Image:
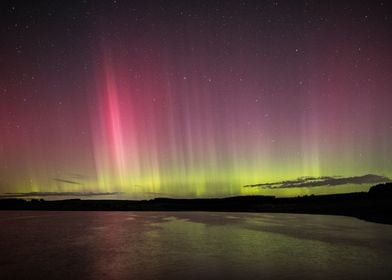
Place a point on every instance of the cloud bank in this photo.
(66, 181)
(325, 181)
(49, 194)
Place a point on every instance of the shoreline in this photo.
(373, 206)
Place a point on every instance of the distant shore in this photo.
(373, 206)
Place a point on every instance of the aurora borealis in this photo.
(193, 98)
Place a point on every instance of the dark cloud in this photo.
(66, 181)
(311, 182)
(50, 194)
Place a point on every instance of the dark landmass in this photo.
(375, 205)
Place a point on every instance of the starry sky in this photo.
(194, 98)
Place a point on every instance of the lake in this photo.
(191, 245)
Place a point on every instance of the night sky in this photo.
(194, 98)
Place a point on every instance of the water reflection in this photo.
(193, 245)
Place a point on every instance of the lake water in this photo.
(191, 245)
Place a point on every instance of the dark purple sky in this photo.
(193, 98)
